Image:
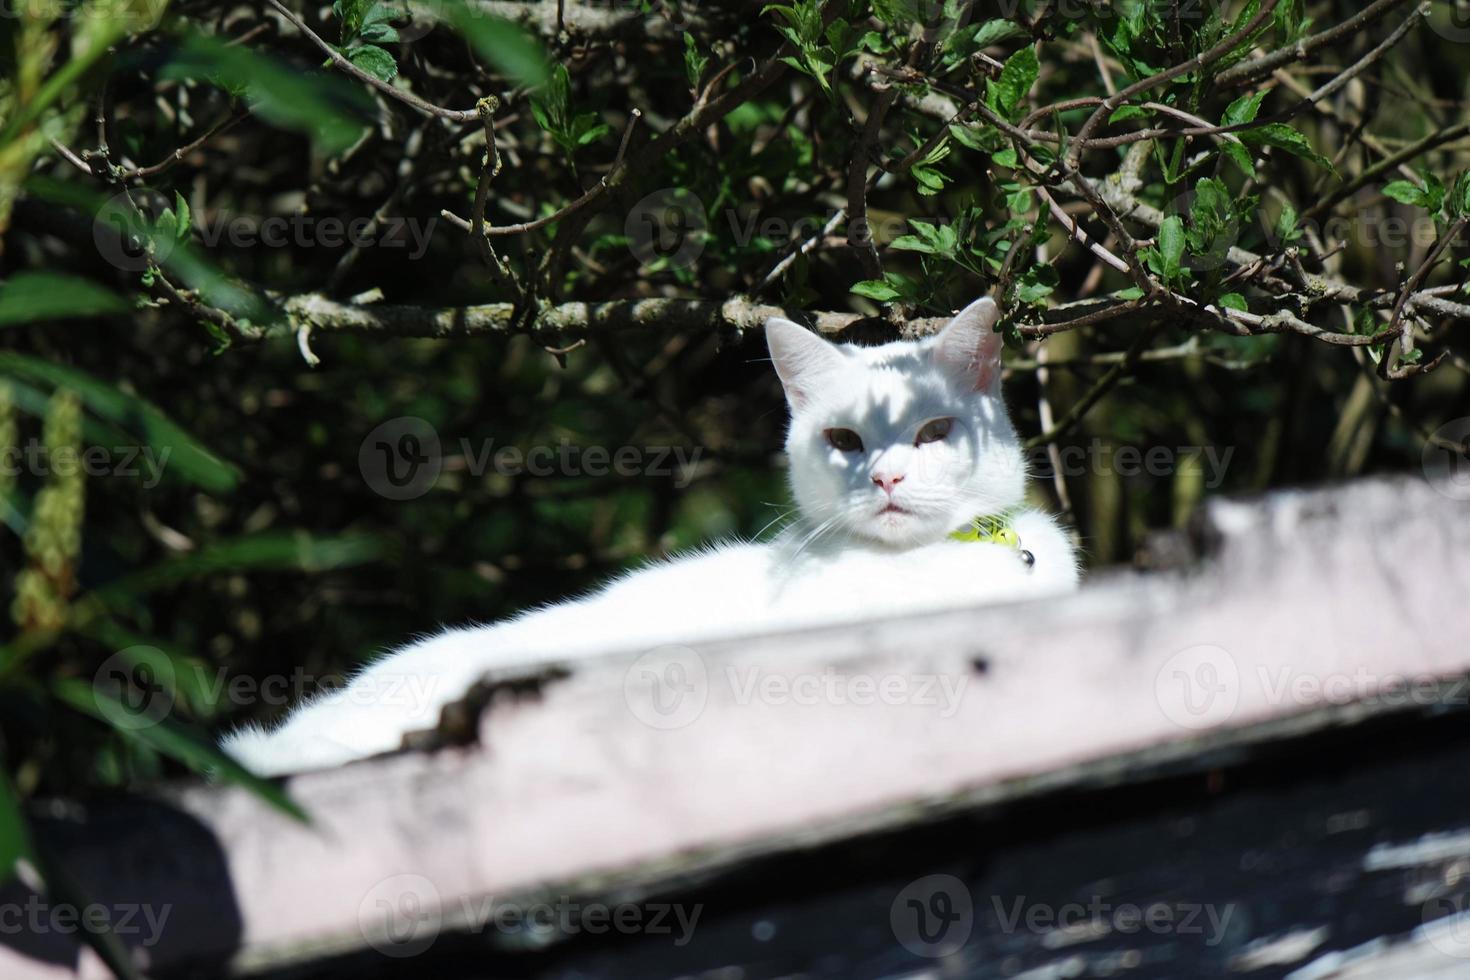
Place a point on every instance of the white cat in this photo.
(892, 449)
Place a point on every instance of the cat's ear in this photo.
(969, 348)
(801, 358)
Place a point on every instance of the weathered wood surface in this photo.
(640, 775)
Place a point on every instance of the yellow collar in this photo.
(995, 529)
(991, 528)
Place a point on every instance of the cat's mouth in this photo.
(892, 508)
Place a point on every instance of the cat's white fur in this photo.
(866, 545)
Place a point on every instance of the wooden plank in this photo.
(638, 769)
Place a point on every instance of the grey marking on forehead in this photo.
(898, 356)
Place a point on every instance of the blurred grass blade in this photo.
(186, 678)
(505, 45)
(15, 834)
(64, 891)
(119, 231)
(330, 110)
(95, 431)
(35, 296)
(192, 461)
(166, 737)
(269, 551)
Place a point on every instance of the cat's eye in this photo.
(845, 440)
(933, 431)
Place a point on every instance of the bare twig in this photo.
(1248, 72)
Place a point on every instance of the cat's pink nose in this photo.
(887, 482)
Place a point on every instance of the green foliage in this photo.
(820, 47)
(926, 172)
(365, 25)
(553, 113)
(694, 62)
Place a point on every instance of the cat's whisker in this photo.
(785, 515)
(812, 537)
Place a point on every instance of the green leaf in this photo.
(1131, 293)
(1016, 78)
(1039, 282)
(995, 31)
(186, 457)
(1239, 155)
(352, 14)
(30, 297)
(911, 243)
(1406, 192)
(966, 41)
(167, 225)
(380, 33)
(1460, 198)
(1286, 230)
(1285, 138)
(181, 209)
(876, 289)
(375, 61)
(1171, 244)
(930, 238)
(981, 138)
(1234, 301)
(588, 128)
(376, 26)
(694, 62)
(1434, 190)
(169, 738)
(931, 181)
(1243, 109)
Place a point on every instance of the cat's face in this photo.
(899, 444)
